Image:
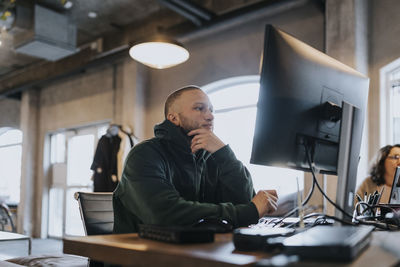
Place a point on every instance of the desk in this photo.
(130, 250)
(14, 245)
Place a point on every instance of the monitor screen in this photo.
(303, 99)
(300, 100)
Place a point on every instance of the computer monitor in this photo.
(309, 101)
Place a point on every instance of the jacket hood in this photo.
(175, 134)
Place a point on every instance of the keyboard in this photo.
(175, 234)
(270, 232)
(289, 221)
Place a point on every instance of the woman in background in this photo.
(382, 173)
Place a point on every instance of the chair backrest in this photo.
(96, 212)
(6, 220)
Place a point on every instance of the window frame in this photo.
(4, 130)
(386, 125)
(97, 130)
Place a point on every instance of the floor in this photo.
(46, 246)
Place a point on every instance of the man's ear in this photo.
(174, 118)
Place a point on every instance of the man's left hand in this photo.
(205, 139)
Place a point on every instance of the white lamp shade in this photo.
(159, 55)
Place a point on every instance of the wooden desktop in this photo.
(131, 250)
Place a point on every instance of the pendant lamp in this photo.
(159, 53)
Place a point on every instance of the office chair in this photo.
(6, 220)
(97, 215)
(96, 212)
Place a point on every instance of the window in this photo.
(235, 108)
(71, 155)
(389, 103)
(80, 156)
(10, 164)
(394, 99)
(57, 144)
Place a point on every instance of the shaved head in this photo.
(174, 96)
(189, 108)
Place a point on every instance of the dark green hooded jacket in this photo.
(163, 183)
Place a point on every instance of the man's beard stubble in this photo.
(188, 125)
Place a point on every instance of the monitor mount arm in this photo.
(350, 143)
(331, 112)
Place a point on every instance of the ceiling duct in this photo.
(53, 36)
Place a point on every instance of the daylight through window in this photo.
(235, 108)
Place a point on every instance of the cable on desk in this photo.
(319, 187)
(366, 208)
(356, 219)
(322, 218)
(377, 221)
(315, 182)
(305, 201)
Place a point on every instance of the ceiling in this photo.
(110, 32)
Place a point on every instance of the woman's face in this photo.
(392, 161)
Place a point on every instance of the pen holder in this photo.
(365, 211)
(367, 208)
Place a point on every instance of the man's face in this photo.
(192, 110)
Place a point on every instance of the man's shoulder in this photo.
(147, 147)
(147, 143)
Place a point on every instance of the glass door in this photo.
(80, 150)
(71, 157)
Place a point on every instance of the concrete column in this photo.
(29, 127)
(347, 41)
(129, 81)
(129, 101)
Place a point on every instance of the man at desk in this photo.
(186, 173)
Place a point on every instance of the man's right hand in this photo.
(265, 201)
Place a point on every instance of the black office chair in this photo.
(96, 212)
(97, 215)
(6, 220)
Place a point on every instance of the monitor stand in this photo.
(349, 155)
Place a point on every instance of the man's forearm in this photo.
(235, 184)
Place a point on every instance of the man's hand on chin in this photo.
(205, 139)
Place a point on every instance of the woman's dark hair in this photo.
(378, 168)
